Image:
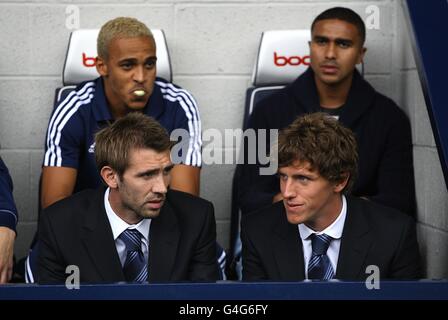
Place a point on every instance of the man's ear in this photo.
(361, 55)
(110, 177)
(339, 186)
(101, 66)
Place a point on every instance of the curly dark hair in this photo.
(324, 143)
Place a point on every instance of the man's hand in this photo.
(7, 237)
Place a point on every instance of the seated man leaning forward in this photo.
(317, 231)
(134, 229)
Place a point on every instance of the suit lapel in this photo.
(355, 244)
(98, 240)
(163, 241)
(288, 250)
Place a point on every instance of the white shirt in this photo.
(334, 230)
(118, 225)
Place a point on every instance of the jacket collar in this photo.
(360, 98)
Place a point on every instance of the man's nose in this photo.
(139, 74)
(288, 189)
(160, 185)
(330, 52)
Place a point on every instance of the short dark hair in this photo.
(136, 130)
(328, 146)
(344, 14)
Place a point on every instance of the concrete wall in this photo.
(213, 46)
(432, 197)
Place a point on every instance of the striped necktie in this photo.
(319, 266)
(135, 268)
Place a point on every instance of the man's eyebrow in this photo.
(156, 170)
(343, 40)
(133, 60)
(299, 175)
(338, 40)
(148, 172)
(318, 37)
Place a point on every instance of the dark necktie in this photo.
(135, 268)
(319, 266)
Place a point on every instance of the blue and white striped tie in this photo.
(319, 266)
(135, 268)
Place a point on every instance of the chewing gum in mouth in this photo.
(139, 93)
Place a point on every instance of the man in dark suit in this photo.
(134, 230)
(317, 232)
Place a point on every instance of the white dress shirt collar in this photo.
(334, 230)
(118, 225)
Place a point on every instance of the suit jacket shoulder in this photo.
(191, 212)
(379, 218)
(375, 235)
(187, 205)
(71, 213)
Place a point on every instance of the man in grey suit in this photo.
(318, 231)
(135, 229)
